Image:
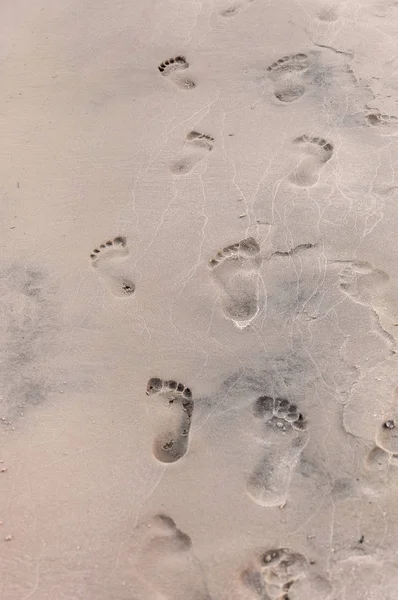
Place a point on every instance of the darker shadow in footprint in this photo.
(172, 443)
(287, 77)
(172, 68)
(108, 258)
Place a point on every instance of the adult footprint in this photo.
(166, 564)
(197, 145)
(172, 443)
(317, 152)
(108, 259)
(272, 573)
(236, 270)
(172, 69)
(285, 436)
(287, 77)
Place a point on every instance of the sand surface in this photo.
(199, 300)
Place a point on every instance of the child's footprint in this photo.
(172, 443)
(272, 573)
(172, 68)
(196, 147)
(285, 436)
(106, 259)
(318, 151)
(287, 77)
(166, 563)
(236, 269)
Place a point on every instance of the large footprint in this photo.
(283, 574)
(285, 436)
(172, 443)
(172, 69)
(197, 145)
(166, 563)
(317, 152)
(236, 270)
(287, 77)
(108, 259)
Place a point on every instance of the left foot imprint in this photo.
(172, 68)
(318, 151)
(106, 259)
(172, 443)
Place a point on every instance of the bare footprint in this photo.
(108, 259)
(285, 436)
(197, 145)
(317, 152)
(271, 574)
(166, 564)
(172, 443)
(287, 76)
(172, 69)
(386, 125)
(236, 270)
(387, 435)
(233, 9)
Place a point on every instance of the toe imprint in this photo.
(172, 68)
(289, 64)
(116, 245)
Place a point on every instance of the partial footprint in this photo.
(387, 436)
(172, 69)
(363, 283)
(317, 152)
(172, 443)
(284, 438)
(287, 77)
(386, 125)
(166, 564)
(272, 573)
(234, 9)
(108, 259)
(197, 145)
(236, 270)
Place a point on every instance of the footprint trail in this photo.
(172, 443)
(236, 271)
(285, 436)
(108, 259)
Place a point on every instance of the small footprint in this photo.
(285, 436)
(172, 68)
(273, 572)
(106, 259)
(233, 9)
(166, 563)
(172, 443)
(318, 151)
(287, 77)
(386, 125)
(196, 146)
(236, 270)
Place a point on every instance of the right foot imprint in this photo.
(105, 259)
(166, 562)
(236, 270)
(172, 67)
(197, 145)
(318, 151)
(285, 436)
(172, 443)
(287, 76)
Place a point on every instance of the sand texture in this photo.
(199, 300)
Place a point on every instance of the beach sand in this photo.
(199, 307)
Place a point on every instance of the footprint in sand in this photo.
(166, 564)
(172, 69)
(386, 125)
(197, 145)
(387, 435)
(287, 77)
(363, 283)
(317, 152)
(172, 443)
(236, 270)
(233, 9)
(284, 438)
(108, 260)
(282, 574)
